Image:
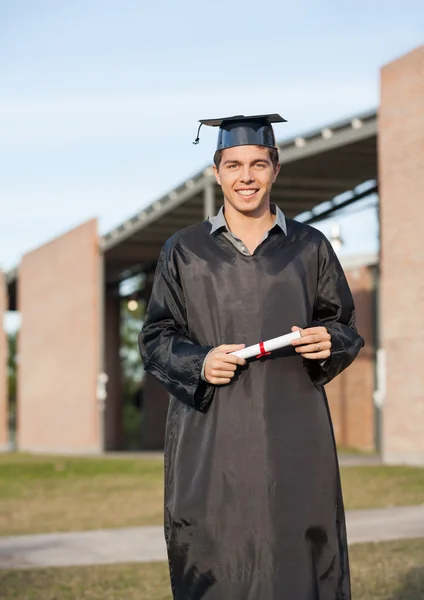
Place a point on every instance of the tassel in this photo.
(197, 140)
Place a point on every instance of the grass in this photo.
(45, 493)
(350, 451)
(388, 571)
(111, 582)
(382, 486)
(385, 571)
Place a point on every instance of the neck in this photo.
(249, 224)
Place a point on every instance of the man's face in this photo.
(246, 175)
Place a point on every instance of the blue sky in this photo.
(100, 100)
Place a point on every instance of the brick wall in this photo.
(401, 175)
(4, 437)
(59, 344)
(350, 395)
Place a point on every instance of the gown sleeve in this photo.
(166, 349)
(334, 309)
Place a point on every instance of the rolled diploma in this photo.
(269, 346)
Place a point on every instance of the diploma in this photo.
(264, 348)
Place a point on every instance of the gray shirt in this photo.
(219, 225)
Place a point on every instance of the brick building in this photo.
(68, 290)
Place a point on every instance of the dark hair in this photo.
(273, 155)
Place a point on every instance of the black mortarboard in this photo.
(244, 131)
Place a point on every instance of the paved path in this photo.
(379, 525)
(135, 544)
(359, 460)
(146, 544)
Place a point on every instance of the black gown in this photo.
(253, 504)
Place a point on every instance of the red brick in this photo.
(350, 395)
(401, 176)
(59, 344)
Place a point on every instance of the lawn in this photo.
(382, 486)
(44, 493)
(387, 571)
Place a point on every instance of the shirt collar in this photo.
(219, 222)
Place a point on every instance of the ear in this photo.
(216, 173)
(276, 172)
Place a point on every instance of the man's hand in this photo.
(314, 344)
(220, 366)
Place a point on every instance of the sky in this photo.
(99, 100)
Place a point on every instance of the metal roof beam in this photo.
(152, 213)
(311, 194)
(303, 147)
(340, 205)
(326, 183)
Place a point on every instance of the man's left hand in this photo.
(314, 344)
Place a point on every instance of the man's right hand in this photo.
(220, 366)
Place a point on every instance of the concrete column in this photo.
(401, 177)
(209, 200)
(113, 430)
(59, 300)
(4, 430)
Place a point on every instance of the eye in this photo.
(260, 165)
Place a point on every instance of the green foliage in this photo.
(132, 369)
(12, 378)
(12, 340)
(132, 425)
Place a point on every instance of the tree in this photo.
(12, 339)
(132, 368)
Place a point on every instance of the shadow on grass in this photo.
(411, 586)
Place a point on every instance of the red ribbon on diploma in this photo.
(262, 349)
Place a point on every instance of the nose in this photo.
(246, 175)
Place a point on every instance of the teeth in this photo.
(247, 192)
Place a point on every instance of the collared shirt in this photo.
(219, 223)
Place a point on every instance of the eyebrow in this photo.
(237, 162)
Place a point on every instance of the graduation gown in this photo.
(253, 504)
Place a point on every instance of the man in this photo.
(253, 505)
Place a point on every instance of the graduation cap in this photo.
(239, 130)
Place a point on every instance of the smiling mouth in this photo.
(246, 193)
